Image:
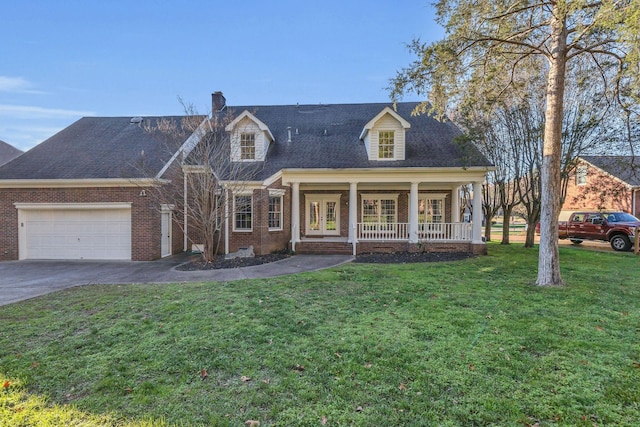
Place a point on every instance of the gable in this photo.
(389, 129)
(244, 130)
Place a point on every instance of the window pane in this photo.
(243, 212)
(247, 146)
(386, 144)
(275, 212)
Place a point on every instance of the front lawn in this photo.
(465, 343)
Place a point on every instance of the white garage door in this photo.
(83, 232)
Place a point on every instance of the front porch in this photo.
(405, 212)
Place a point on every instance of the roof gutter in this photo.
(81, 183)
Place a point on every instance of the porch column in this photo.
(455, 204)
(477, 213)
(295, 214)
(226, 221)
(413, 213)
(353, 212)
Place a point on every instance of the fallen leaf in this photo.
(359, 409)
(35, 364)
(324, 420)
(506, 356)
(472, 367)
(367, 365)
(203, 374)
(402, 387)
(6, 385)
(599, 328)
(338, 355)
(266, 381)
(128, 390)
(252, 423)
(245, 379)
(299, 368)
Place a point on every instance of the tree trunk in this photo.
(487, 228)
(548, 259)
(506, 223)
(529, 240)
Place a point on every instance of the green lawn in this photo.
(455, 344)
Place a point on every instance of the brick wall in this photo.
(145, 216)
(263, 240)
(601, 192)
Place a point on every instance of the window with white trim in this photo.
(247, 146)
(581, 175)
(379, 209)
(386, 144)
(431, 209)
(275, 213)
(242, 213)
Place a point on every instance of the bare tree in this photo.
(204, 180)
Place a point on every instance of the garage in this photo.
(74, 231)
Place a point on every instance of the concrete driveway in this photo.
(21, 280)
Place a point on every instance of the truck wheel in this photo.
(576, 241)
(620, 242)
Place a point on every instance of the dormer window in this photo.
(247, 146)
(386, 145)
(250, 138)
(384, 136)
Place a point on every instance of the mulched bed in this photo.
(220, 262)
(411, 257)
(376, 258)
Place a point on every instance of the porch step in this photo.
(324, 248)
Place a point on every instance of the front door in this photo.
(323, 215)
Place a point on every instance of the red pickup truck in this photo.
(617, 228)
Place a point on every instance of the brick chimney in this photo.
(218, 101)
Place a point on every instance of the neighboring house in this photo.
(605, 183)
(84, 194)
(341, 178)
(8, 152)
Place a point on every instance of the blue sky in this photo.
(62, 60)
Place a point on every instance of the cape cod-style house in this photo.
(330, 178)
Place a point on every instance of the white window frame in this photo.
(235, 213)
(393, 145)
(243, 147)
(581, 175)
(428, 197)
(280, 213)
(379, 197)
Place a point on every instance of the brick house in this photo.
(348, 178)
(341, 178)
(604, 183)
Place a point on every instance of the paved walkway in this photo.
(20, 280)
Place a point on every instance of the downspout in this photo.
(185, 242)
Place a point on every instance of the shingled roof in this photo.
(327, 136)
(97, 148)
(8, 152)
(625, 168)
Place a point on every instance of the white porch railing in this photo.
(457, 231)
(383, 231)
(448, 231)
